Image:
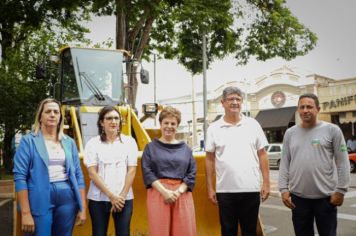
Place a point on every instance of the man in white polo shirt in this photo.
(235, 146)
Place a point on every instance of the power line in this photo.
(177, 103)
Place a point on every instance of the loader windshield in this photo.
(96, 74)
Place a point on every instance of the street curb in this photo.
(7, 189)
(7, 195)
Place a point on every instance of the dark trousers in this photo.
(100, 215)
(235, 208)
(306, 210)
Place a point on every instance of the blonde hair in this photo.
(170, 112)
(37, 124)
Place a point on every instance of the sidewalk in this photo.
(7, 189)
(7, 198)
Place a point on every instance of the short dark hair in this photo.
(231, 90)
(102, 114)
(310, 95)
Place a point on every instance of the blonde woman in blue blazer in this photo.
(48, 177)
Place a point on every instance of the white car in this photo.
(274, 151)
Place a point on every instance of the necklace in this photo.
(53, 146)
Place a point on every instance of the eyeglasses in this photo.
(111, 118)
(233, 99)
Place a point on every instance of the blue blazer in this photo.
(31, 171)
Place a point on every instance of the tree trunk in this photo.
(5, 43)
(123, 41)
(8, 154)
(121, 31)
(132, 79)
(137, 56)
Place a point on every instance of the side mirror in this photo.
(40, 71)
(144, 76)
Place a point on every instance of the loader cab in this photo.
(92, 77)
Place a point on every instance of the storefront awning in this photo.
(276, 118)
(347, 117)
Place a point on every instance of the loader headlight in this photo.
(150, 108)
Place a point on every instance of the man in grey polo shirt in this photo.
(314, 171)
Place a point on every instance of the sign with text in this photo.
(339, 102)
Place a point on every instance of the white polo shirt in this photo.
(236, 160)
(112, 160)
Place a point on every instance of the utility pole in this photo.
(154, 82)
(194, 119)
(205, 100)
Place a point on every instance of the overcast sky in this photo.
(334, 56)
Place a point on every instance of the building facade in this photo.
(338, 104)
(272, 100)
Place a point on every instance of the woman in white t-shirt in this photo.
(111, 159)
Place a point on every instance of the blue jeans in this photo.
(100, 215)
(306, 210)
(60, 219)
(235, 208)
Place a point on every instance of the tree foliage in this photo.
(174, 29)
(19, 18)
(30, 30)
(275, 32)
(21, 91)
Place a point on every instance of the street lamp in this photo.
(246, 85)
(205, 101)
(154, 82)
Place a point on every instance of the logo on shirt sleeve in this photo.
(343, 148)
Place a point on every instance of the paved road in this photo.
(277, 219)
(6, 217)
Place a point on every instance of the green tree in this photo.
(29, 31)
(21, 91)
(19, 94)
(20, 18)
(174, 28)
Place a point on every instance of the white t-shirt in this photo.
(57, 164)
(112, 160)
(236, 160)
